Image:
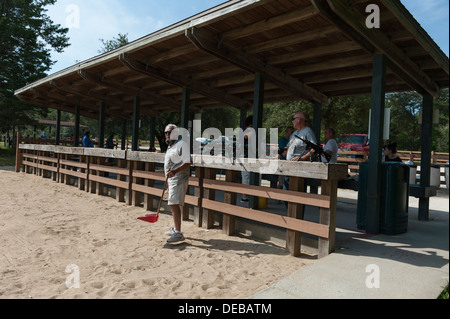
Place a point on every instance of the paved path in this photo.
(411, 265)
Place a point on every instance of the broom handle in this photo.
(161, 199)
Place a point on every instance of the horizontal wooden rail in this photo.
(268, 218)
(271, 193)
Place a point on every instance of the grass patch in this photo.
(7, 156)
(444, 293)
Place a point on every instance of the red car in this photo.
(353, 142)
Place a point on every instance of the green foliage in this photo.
(405, 127)
(7, 156)
(27, 36)
(109, 45)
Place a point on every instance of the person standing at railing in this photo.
(176, 167)
(87, 142)
(296, 147)
(331, 146)
(110, 141)
(390, 152)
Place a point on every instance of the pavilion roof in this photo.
(306, 49)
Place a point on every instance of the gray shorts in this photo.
(177, 192)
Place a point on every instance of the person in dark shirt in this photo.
(390, 152)
(87, 142)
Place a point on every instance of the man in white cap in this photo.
(176, 167)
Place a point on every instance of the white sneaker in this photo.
(170, 232)
(176, 237)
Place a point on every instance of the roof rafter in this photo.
(255, 65)
(399, 62)
(131, 90)
(108, 100)
(183, 81)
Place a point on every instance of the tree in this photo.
(109, 45)
(27, 37)
(405, 128)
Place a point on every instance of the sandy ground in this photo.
(50, 233)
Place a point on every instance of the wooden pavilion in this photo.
(244, 53)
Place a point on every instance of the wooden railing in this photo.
(353, 159)
(134, 175)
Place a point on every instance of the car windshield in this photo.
(351, 139)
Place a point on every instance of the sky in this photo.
(91, 20)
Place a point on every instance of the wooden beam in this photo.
(99, 80)
(97, 97)
(183, 81)
(254, 64)
(273, 22)
(410, 72)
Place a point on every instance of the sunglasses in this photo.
(167, 132)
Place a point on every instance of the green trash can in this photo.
(394, 201)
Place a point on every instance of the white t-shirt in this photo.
(176, 155)
(333, 147)
(296, 147)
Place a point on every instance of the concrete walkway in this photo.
(411, 265)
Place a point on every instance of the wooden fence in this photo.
(134, 175)
(353, 159)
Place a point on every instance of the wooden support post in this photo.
(376, 144)
(92, 185)
(82, 181)
(130, 182)
(58, 167)
(135, 195)
(294, 238)
(425, 160)
(100, 186)
(148, 199)
(328, 217)
(208, 215)
(18, 152)
(120, 192)
(228, 223)
(198, 210)
(185, 208)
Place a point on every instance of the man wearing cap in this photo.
(176, 167)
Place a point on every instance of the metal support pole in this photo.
(77, 127)
(136, 115)
(101, 126)
(58, 127)
(425, 163)
(258, 108)
(376, 144)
